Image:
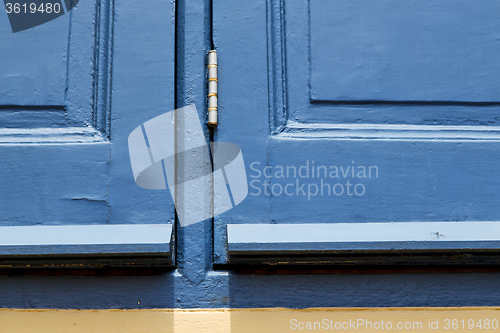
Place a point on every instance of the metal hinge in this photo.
(212, 88)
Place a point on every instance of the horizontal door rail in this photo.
(130, 245)
(371, 243)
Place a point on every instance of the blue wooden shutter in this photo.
(406, 89)
(71, 91)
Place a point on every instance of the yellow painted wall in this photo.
(480, 319)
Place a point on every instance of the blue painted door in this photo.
(71, 91)
(361, 111)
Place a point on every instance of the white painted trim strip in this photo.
(86, 234)
(17, 136)
(391, 132)
(364, 232)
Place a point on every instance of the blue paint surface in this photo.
(430, 50)
(159, 63)
(34, 68)
(423, 173)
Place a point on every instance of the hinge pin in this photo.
(212, 88)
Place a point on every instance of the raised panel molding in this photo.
(295, 111)
(87, 84)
